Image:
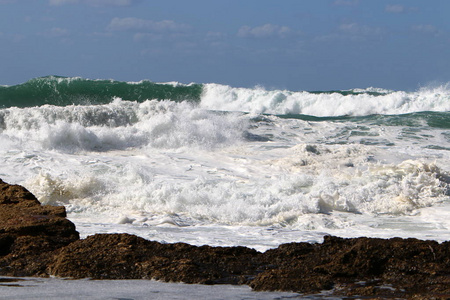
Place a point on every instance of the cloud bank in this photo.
(264, 31)
(143, 25)
(399, 9)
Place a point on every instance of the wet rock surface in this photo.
(360, 266)
(29, 231)
(38, 240)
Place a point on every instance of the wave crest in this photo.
(62, 91)
(322, 104)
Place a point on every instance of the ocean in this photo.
(226, 166)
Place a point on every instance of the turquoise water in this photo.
(219, 165)
(61, 91)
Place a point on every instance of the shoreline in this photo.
(138, 289)
(38, 240)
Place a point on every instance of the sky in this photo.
(278, 44)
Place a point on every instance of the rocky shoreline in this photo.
(38, 240)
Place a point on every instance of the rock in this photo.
(359, 266)
(38, 240)
(124, 256)
(28, 230)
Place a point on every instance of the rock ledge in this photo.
(38, 240)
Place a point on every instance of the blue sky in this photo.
(282, 44)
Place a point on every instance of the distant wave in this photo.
(64, 91)
(355, 102)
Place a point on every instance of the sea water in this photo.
(223, 166)
(61, 289)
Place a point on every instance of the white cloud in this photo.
(94, 2)
(264, 31)
(142, 25)
(399, 9)
(426, 29)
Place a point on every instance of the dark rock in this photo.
(29, 230)
(123, 256)
(296, 280)
(38, 240)
(387, 267)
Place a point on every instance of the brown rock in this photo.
(121, 256)
(291, 280)
(359, 265)
(29, 230)
(38, 240)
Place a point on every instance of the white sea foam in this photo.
(259, 100)
(122, 124)
(178, 172)
(372, 90)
